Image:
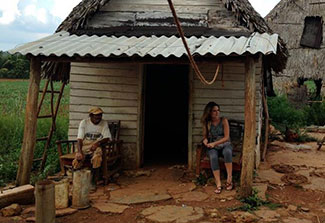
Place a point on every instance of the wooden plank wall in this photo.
(114, 88)
(204, 13)
(228, 91)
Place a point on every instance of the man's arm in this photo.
(99, 143)
(81, 133)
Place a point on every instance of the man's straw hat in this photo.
(95, 110)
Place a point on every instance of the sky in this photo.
(23, 21)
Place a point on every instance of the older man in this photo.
(92, 133)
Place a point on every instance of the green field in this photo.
(12, 114)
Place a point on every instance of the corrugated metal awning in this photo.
(64, 44)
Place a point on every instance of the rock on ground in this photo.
(296, 220)
(243, 217)
(261, 188)
(270, 176)
(192, 196)
(110, 208)
(173, 213)
(268, 215)
(11, 210)
(65, 211)
(139, 198)
(181, 188)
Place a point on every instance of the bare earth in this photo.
(167, 194)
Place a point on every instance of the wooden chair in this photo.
(236, 129)
(112, 157)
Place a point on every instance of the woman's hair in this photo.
(206, 117)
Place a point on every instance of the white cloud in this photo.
(62, 8)
(9, 11)
(39, 13)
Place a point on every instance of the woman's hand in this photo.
(205, 142)
(211, 145)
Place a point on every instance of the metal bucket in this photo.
(80, 189)
(61, 193)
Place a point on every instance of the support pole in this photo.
(29, 140)
(45, 202)
(246, 179)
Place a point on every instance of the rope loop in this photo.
(191, 58)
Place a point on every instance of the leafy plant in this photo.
(253, 203)
(202, 179)
(285, 115)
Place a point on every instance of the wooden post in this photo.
(246, 179)
(45, 202)
(29, 140)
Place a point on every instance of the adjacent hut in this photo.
(126, 56)
(300, 24)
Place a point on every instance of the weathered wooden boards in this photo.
(228, 92)
(113, 87)
(29, 140)
(139, 13)
(20, 195)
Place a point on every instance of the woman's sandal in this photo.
(218, 190)
(229, 186)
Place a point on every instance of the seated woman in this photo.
(216, 139)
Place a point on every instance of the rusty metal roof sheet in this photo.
(65, 44)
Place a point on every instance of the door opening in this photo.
(166, 114)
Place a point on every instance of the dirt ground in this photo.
(293, 175)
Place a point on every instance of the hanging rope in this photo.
(192, 61)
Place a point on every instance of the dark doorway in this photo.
(166, 114)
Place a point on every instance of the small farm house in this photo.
(127, 57)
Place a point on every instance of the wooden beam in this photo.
(246, 179)
(29, 140)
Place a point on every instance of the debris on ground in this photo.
(11, 210)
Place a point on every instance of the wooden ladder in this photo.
(53, 115)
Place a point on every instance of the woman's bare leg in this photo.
(229, 172)
(216, 174)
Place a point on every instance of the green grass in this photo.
(12, 114)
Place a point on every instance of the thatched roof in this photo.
(287, 18)
(242, 9)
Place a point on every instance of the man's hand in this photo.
(94, 147)
(79, 156)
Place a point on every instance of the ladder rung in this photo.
(42, 139)
(45, 116)
(36, 160)
(55, 92)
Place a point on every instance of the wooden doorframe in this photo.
(190, 153)
(141, 115)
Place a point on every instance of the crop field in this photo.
(13, 94)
